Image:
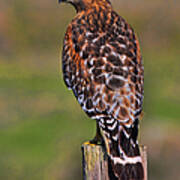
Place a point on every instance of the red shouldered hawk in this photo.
(102, 65)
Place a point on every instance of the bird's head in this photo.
(81, 5)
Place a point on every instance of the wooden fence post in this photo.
(95, 163)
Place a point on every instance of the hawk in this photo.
(103, 67)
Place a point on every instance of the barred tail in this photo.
(125, 162)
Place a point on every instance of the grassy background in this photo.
(42, 126)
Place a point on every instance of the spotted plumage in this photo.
(102, 65)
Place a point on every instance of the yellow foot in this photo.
(91, 143)
(97, 141)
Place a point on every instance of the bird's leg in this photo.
(98, 138)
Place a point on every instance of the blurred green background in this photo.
(42, 126)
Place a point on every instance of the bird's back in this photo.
(103, 66)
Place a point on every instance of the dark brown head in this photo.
(81, 5)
